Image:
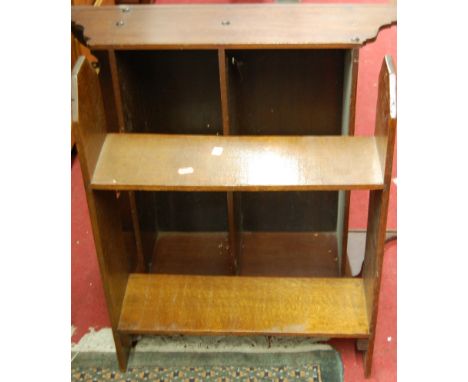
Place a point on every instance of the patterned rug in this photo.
(323, 365)
(195, 374)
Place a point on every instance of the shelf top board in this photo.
(164, 162)
(168, 304)
(241, 26)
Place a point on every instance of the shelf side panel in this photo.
(385, 130)
(88, 117)
(115, 261)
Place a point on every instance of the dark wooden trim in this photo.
(354, 82)
(224, 86)
(116, 88)
(141, 265)
(224, 92)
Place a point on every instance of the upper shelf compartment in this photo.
(231, 25)
(156, 162)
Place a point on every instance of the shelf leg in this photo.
(362, 344)
(368, 355)
(372, 267)
(123, 345)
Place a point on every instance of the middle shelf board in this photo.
(164, 162)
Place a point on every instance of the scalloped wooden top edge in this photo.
(231, 26)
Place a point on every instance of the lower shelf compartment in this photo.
(241, 305)
(289, 254)
(277, 254)
(192, 253)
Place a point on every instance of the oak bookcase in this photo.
(217, 149)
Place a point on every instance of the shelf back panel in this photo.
(286, 92)
(191, 211)
(172, 92)
(296, 211)
(173, 211)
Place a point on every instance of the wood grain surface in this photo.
(165, 304)
(232, 25)
(214, 163)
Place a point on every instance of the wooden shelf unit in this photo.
(217, 152)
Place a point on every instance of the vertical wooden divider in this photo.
(224, 86)
(385, 131)
(141, 264)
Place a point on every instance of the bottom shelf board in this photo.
(240, 305)
(281, 254)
